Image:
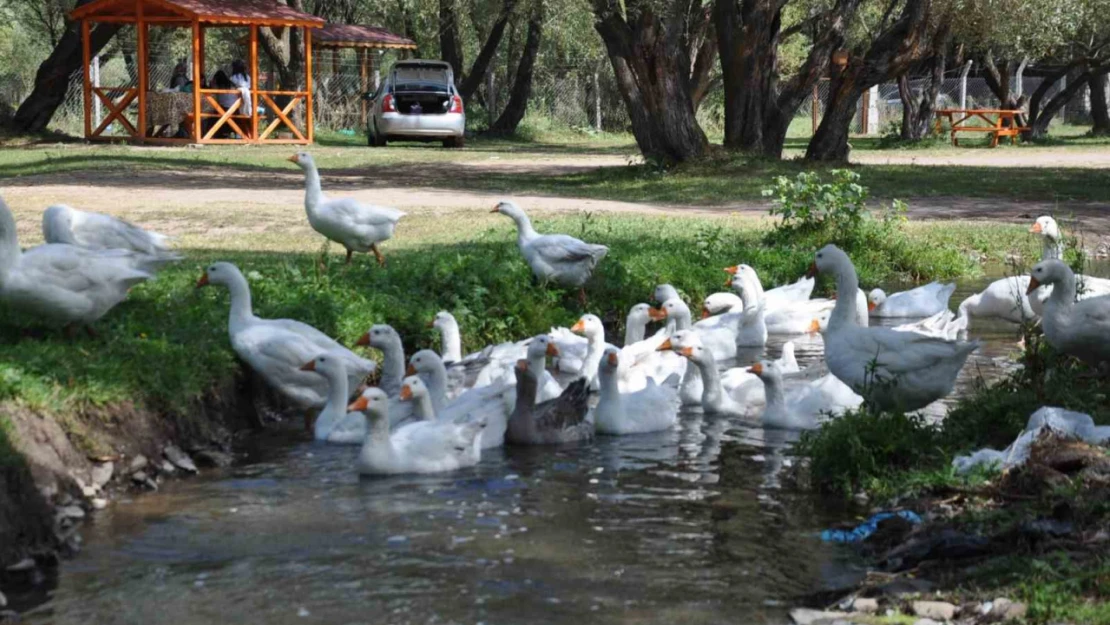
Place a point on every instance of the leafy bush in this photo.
(807, 204)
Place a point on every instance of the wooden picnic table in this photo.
(999, 123)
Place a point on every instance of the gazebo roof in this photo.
(356, 36)
(260, 12)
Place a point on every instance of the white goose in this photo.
(414, 391)
(786, 309)
(64, 284)
(385, 339)
(1081, 328)
(1053, 249)
(740, 398)
(906, 371)
(95, 231)
(490, 404)
(945, 324)
(777, 298)
(334, 424)
(717, 335)
(356, 226)
(557, 258)
(640, 354)
(923, 301)
(1004, 298)
(801, 408)
(277, 348)
(650, 409)
(424, 447)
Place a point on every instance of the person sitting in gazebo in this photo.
(242, 81)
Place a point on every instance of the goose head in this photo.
(58, 220)
(1046, 227)
(1048, 272)
(680, 340)
(327, 365)
(767, 371)
(443, 321)
(640, 314)
(717, 303)
(373, 402)
(673, 308)
(380, 336)
(829, 259)
(875, 298)
(424, 361)
(509, 209)
(525, 377)
(610, 361)
(413, 388)
(664, 292)
(303, 160)
(542, 346)
(223, 274)
(589, 326)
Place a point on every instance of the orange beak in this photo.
(612, 359)
(496, 209)
(406, 393)
(704, 312)
(203, 280)
(657, 314)
(1033, 285)
(579, 327)
(757, 369)
(410, 370)
(814, 327)
(309, 366)
(664, 346)
(552, 350)
(358, 405)
(732, 270)
(1036, 229)
(871, 306)
(812, 271)
(294, 159)
(687, 352)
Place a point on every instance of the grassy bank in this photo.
(1061, 574)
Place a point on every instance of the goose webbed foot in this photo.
(378, 255)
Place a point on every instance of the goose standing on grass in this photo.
(64, 284)
(356, 226)
(904, 370)
(95, 231)
(924, 301)
(650, 409)
(801, 408)
(557, 258)
(1081, 329)
(556, 421)
(424, 447)
(277, 348)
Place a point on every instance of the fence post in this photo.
(963, 84)
(597, 101)
(96, 85)
(1020, 78)
(872, 127)
(491, 98)
(813, 107)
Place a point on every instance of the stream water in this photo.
(647, 529)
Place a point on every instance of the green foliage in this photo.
(865, 450)
(807, 204)
(1057, 587)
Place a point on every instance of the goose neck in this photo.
(313, 194)
(436, 381)
(377, 434)
(1051, 249)
(634, 331)
(393, 367)
(712, 393)
(524, 230)
(847, 287)
(1063, 292)
(241, 310)
(451, 347)
(423, 408)
(776, 399)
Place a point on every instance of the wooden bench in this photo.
(999, 123)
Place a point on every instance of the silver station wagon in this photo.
(417, 101)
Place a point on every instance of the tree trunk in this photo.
(758, 109)
(450, 48)
(703, 42)
(893, 51)
(918, 112)
(286, 50)
(407, 19)
(477, 72)
(1100, 114)
(52, 78)
(1041, 116)
(997, 76)
(522, 87)
(652, 67)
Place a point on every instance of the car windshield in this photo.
(420, 86)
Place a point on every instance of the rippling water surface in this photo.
(647, 529)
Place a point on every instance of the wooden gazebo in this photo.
(271, 112)
(364, 40)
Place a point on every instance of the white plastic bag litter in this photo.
(1065, 423)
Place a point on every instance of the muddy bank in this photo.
(63, 467)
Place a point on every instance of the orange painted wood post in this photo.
(363, 80)
(308, 82)
(813, 108)
(140, 30)
(254, 82)
(87, 81)
(198, 74)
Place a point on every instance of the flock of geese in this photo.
(438, 410)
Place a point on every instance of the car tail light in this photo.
(387, 104)
(456, 104)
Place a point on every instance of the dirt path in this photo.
(173, 200)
